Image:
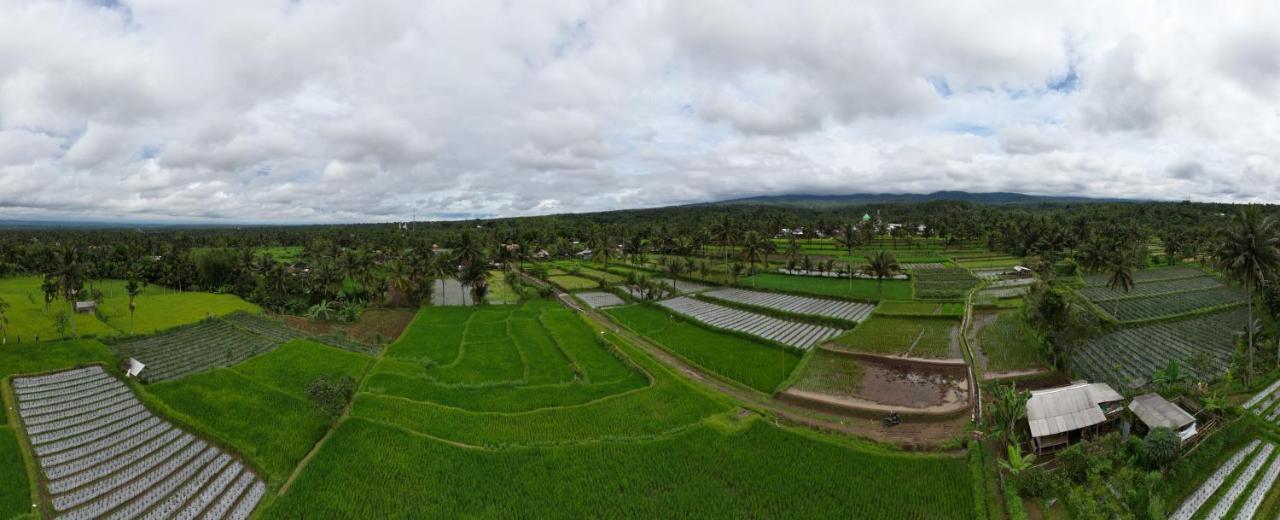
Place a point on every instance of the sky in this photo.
(379, 110)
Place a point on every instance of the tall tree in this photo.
(881, 265)
(755, 248)
(68, 277)
(132, 288)
(4, 322)
(1249, 252)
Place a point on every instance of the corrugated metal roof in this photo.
(1155, 412)
(1068, 408)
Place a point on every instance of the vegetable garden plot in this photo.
(790, 333)
(599, 299)
(1156, 288)
(912, 337)
(682, 286)
(844, 310)
(943, 283)
(1210, 486)
(927, 265)
(118, 460)
(573, 283)
(1005, 292)
(1147, 275)
(1130, 355)
(217, 343)
(1156, 307)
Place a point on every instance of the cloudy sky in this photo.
(367, 110)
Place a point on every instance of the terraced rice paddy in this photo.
(843, 310)
(1148, 289)
(1239, 486)
(1130, 355)
(911, 337)
(102, 454)
(599, 299)
(943, 283)
(919, 308)
(216, 343)
(790, 333)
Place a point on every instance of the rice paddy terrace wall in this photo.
(102, 454)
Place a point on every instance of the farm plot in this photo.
(449, 291)
(1004, 292)
(923, 266)
(1131, 354)
(1006, 341)
(859, 289)
(682, 286)
(1147, 275)
(569, 282)
(911, 337)
(279, 332)
(838, 274)
(790, 333)
(943, 283)
(1226, 487)
(843, 310)
(193, 349)
(599, 299)
(1170, 305)
(1153, 288)
(103, 454)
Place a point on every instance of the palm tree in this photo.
(132, 289)
(68, 278)
(881, 265)
(476, 277)
(468, 251)
(601, 250)
(848, 238)
(724, 232)
(755, 248)
(1249, 252)
(399, 278)
(1121, 263)
(4, 322)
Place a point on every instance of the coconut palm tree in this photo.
(132, 289)
(881, 265)
(1249, 252)
(1121, 263)
(849, 238)
(755, 248)
(68, 277)
(4, 322)
(476, 278)
(724, 231)
(601, 250)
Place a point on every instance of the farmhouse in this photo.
(1060, 416)
(1156, 412)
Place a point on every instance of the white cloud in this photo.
(344, 110)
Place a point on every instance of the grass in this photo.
(919, 308)
(286, 254)
(157, 308)
(1009, 343)
(752, 363)
(511, 359)
(755, 470)
(918, 337)
(260, 407)
(817, 286)
(573, 283)
(830, 373)
(15, 494)
(500, 292)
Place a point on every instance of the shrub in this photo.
(331, 395)
(1160, 447)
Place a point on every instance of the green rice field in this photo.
(915, 337)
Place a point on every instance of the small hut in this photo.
(1157, 412)
(1061, 416)
(86, 307)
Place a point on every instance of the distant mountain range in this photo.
(889, 198)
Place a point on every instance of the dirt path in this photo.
(909, 435)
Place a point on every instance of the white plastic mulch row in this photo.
(834, 274)
(599, 299)
(1250, 507)
(682, 286)
(790, 333)
(1242, 481)
(1210, 486)
(926, 265)
(1005, 292)
(104, 454)
(1269, 392)
(851, 311)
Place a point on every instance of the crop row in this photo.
(280, 333)
(111, 457)
(837, 274)
(799, 335)
(1132, 354)
(599, 299)
(194, 349)
(1147, 275)
(1210, 486)
(839, 309)
(682, 285)
(1155, 307)
(1099, 294)
(914, 337)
